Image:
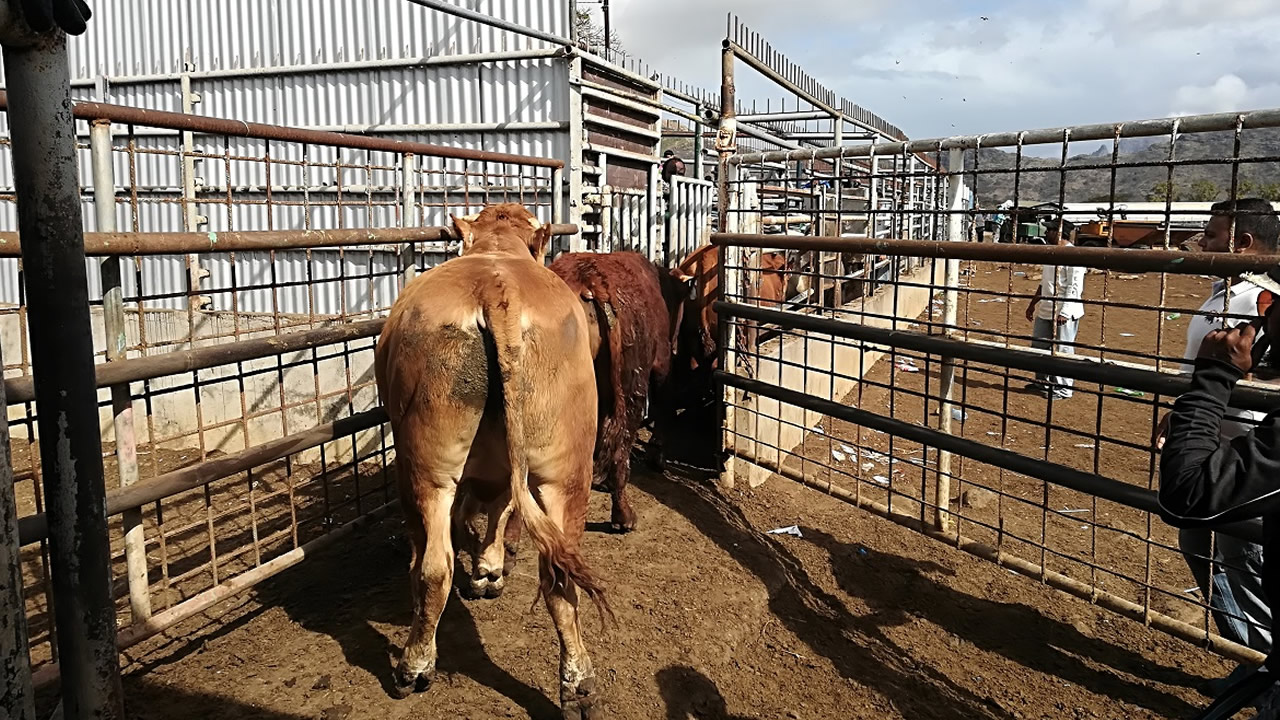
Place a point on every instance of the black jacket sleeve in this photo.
(1204, 480)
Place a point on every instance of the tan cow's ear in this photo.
(540, 242)
(465, 232)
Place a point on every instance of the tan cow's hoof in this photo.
(488, 587)
(404, 683)
(580, 703)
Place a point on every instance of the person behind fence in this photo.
(671, 166)
(1229, 565)
(1206, 482)
(1056, 311)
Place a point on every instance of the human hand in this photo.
(1062, 319)
(1234, 346)
(71, 16)
(1031, 312)
(1160, 433)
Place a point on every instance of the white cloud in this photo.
(939, 69)
(1226, 94)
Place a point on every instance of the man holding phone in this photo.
(1228, 569)
(1205, 482)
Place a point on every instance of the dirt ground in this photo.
(860, 618)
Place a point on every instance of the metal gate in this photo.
(688, 216)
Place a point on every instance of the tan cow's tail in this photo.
(559, 561)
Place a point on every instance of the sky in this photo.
(944, 67)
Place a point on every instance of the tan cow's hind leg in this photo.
(488, 576)
(431, 578)
(577, 676)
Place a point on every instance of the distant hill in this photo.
(1041, 180)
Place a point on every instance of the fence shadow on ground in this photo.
(1018, 632)
(860, 650)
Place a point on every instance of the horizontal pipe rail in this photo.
(34, 528)
(1120, 259)
(22, 389)
(238, 128)
(1097, 371)
(1085, 591)
(104, 244)
(1092, 484)
(1102, 131)
(158, 623)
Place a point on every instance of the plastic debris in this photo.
(1130, 393)
(881, 479)
(1068, 511)
(838, 456)
(1192, 590)
(958, 414)
(906, 365)
(788, 530)
(1085, 446)
(1127, 335)
(862, 551)
(1173, 316)
(1019, 273)
(867, 467)
(849, 451)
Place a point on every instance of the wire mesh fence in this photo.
(237, 286)
(1003, 391)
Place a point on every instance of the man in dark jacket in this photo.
(1207, 482)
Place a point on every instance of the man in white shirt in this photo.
(1056, 311)
(1239, 605)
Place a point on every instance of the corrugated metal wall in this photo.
(135, 52)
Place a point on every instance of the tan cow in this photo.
(486, 373)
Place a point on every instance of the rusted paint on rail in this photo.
(108, 244)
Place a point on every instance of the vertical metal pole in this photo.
(113, 320)
(726, 135)
(191, 219)
(730, 283)
(17, 698)
(699, 163)
(577, 137)
(557, 196)
(49, 218)
(950, 300)
(408, 213)
(608, 29)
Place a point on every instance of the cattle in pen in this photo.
(484, 366)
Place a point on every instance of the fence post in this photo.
(950, 299)
(730, 282)
(114, 326)
(577, 140)
(47, 186)
(17, 699)
(408, 211)
(191, 218)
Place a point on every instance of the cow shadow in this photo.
(688, 693)
(344, 592)
(899, 589)
(371, 587)
(855, 646)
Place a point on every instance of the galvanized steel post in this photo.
(17, 699)
(191, 218)
(408, 209)
(115, 328)
(47, 187)
(950, 298)
(727, 133)
(577, 143)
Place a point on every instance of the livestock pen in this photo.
(241, 434)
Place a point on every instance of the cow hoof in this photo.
(622, 528)
(405, 683)
(489, 587)
(579, 703)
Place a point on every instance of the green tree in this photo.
(1202, 191)
(1162, 191)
